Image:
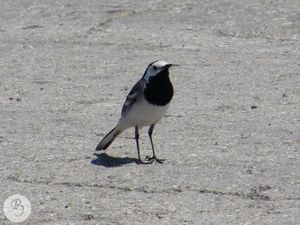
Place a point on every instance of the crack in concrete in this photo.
(254, 193)
(247, 36)
(118, 14)
(105, 24)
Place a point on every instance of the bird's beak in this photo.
(168, 65)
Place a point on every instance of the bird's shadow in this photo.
(108, 161)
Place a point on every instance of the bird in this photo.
(145, 105)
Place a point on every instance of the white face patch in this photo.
(154, 69)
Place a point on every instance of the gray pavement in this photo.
(231, 136)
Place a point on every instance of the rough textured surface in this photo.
(231, 137)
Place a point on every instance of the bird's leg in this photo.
(153, 158)
(139, 161)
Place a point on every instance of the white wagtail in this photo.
(145, 105)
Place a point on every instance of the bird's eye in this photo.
(154, 67)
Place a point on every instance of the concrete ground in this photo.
(231, 136)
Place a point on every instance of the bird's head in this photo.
(155, 68)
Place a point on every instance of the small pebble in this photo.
(88, 217)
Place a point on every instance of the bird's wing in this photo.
(135, 93)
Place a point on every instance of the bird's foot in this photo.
(140, 161)
(153, 158)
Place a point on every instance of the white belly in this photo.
(143, 114)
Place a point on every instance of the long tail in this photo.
(109, 138)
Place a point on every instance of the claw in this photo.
(139, 161)
(153, 158)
